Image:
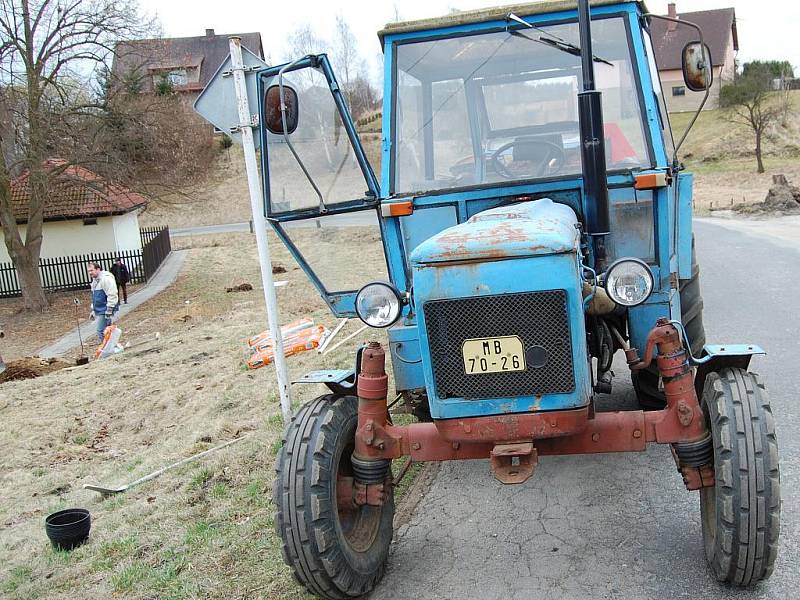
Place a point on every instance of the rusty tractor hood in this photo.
(526, 229)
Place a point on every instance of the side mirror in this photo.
(698, 73)
(273, 119)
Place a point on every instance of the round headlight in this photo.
(629, 281)
(378, 304)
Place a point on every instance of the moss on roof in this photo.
(494, 13)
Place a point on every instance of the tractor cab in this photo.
(519, 217)
(481, 113)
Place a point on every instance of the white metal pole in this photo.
(260, 224)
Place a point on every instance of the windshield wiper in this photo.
(551, 40)
(571, 49)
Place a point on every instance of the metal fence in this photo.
(154, 252)
(147, 234)
(69, 272)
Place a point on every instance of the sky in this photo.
(759, 22)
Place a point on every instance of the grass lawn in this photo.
(204, 530)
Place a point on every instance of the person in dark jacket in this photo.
(122, 276)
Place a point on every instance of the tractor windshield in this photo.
(502, 106)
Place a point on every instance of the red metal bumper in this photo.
(577, 431)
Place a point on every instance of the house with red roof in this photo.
(669, 39)
(84, 214)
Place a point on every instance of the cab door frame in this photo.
(341, 302)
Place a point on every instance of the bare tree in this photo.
(362, 95)
(352, 70)
(345, 57)
(48, 51)
(751, 101)
(303, 41)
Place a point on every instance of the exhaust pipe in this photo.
(593, 145)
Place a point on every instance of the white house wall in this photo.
(70, 238)
(691, 100)
(126, 231)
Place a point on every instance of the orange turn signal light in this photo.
(650, 181)
(397, 209)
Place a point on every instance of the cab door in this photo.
(321, 194)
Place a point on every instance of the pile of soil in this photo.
(31, 367)
(782, 198)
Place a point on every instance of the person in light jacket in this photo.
(105, 300)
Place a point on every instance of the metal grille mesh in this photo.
(539, 319)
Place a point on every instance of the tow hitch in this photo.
(514, 463)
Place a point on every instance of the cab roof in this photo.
(495, 13)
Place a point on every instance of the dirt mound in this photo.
(783, 197)
(31, 367)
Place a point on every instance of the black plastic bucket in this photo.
(68, 529)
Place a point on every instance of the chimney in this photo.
(673, 14)
(210, 32)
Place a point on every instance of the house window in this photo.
(175, 78)
(90, 221)
(178, 77)
(679, 90)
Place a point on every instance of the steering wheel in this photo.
(551, 152)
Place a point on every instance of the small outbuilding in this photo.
(84, 214)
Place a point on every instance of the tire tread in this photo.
(303, 505)
(747, 477)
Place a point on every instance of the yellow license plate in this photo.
(493, 355)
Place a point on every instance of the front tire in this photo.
(336, 550)
(741, 513)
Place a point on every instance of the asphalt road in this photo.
(618, 526)
(211, 229)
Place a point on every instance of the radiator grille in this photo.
(539, 319)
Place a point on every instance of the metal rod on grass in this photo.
(107, 491)
(402, 472)
(78, 321)
(259, 223)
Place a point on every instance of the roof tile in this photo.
(77, 193)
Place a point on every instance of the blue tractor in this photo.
(529, 220)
